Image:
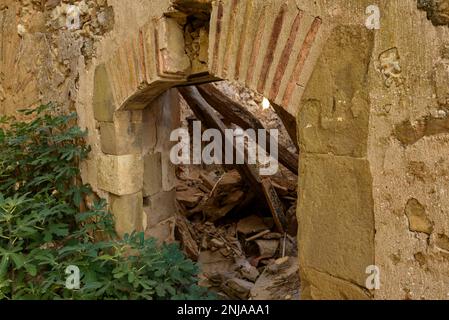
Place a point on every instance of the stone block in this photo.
(163, 232)
(321, 286)
(150, 118)
(173, 60)
(417, 217)
(103, 99)
(123, 136)
(336, 102)
(127, 211)
(336, 214)
(120, 175)
(440, 78)
(89, 175)
(168, 172)
(160, 207)
(152, 174)
(168, 118)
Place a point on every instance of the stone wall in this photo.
(377, 101)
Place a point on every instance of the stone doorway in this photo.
(271, 48)
(188, 48)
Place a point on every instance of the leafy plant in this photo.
(43, 229)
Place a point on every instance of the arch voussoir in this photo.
(272, 54)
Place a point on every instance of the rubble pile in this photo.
(241, 253)
(240, 226)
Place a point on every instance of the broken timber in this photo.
(235, 113)
(275, 205)
(289, 122)
(204, 112)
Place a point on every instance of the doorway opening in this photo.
(239, 225)
(136, 103)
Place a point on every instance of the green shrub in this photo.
(43, 230)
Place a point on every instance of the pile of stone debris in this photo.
(241, 252)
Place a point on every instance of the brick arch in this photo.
(270, 47)
(271, 54)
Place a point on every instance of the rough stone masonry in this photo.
(371, 107)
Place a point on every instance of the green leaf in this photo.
(18, 260)
(4, 265)
(43, 232)
(31, 269)
(119, 275)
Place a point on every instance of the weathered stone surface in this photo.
(173, 60)
(103, 101)
(89, 174)
(163, 231)
(120, 175)
(127, 211)
(417, 219)
(409, 133)
(442, 242)
(149, 62)
(336, 229)
(168, 172)
(441, 77)
(389, 65)
(323, 286)
(150, 121)
(159, 207)
(152, 176)
(336, 104)
(168, 119)
(123, 136)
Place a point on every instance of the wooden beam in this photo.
(289, 122)
(275, 205)
(235, 113)
(206, 114)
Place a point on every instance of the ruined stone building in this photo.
(371, 103)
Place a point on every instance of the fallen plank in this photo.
(235, 113)
(185, 232)
(289, 122)
(206, 114)
(275, 204)
(257, 236)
